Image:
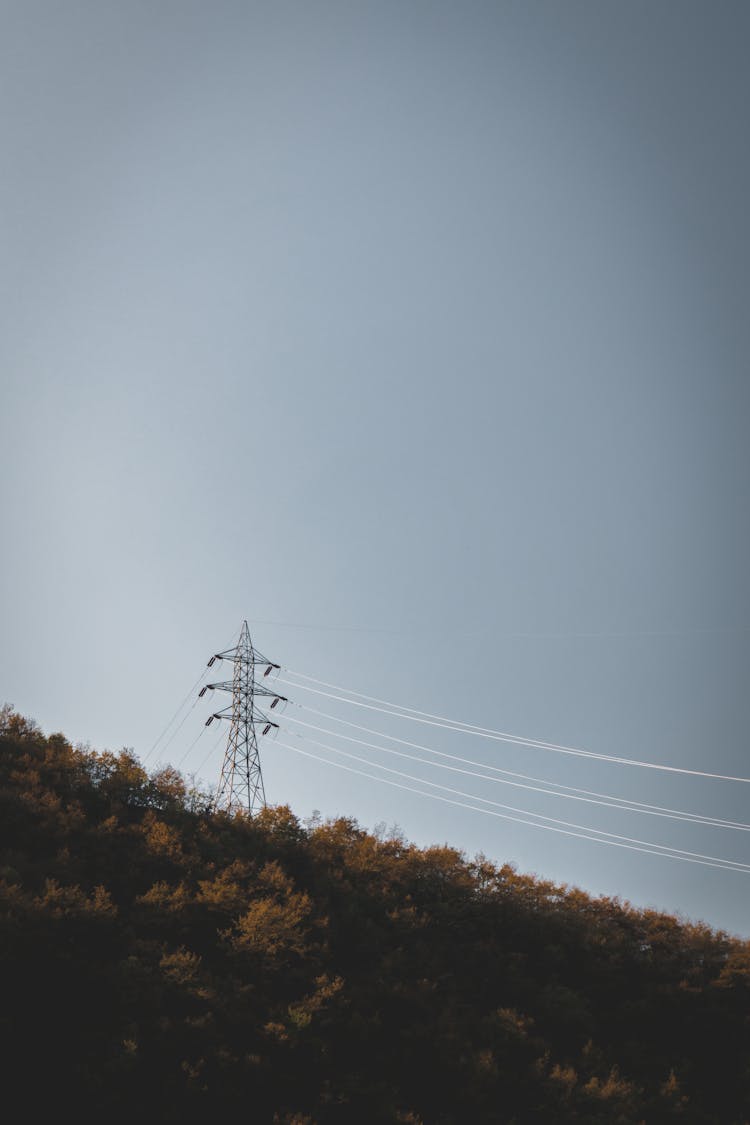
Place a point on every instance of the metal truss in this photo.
(241, 783)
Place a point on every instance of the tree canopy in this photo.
(162, 959)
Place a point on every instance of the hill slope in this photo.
(164, 961)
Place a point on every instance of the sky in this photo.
(416, 334)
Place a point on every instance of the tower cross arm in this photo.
(246, 658)
(269, 694)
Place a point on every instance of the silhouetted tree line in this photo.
(164, 962)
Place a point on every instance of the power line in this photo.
(720, 822)
(195, 741)
(435, 797)
(496, 736)
(179, 726)
(651, 849)
(542, 816)
(609, 802)
(203, 674)
(187, 697)
(210, 752)
(241, 770)
(559, 634)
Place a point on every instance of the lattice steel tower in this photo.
(241, 782)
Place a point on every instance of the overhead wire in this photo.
(399, 711)
(590, 797)
(626, 801)
(511, 634)
(195, 742)
(556, 820)
(726, 865)
(210, 752)
(179, 726)
(202, 676)
(543, 786)
(169, 724)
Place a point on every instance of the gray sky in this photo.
(428, 321)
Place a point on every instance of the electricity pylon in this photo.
(241, 783)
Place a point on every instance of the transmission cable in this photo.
(591, 798)
(180, 725)
(210, 752)
(187, 697)
(726, 865)
(720, 822)
(202, 676)
(526, 812)
(195, 741)
(501, 736)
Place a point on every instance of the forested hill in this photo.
(163, 963)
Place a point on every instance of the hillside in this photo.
(163, 961)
